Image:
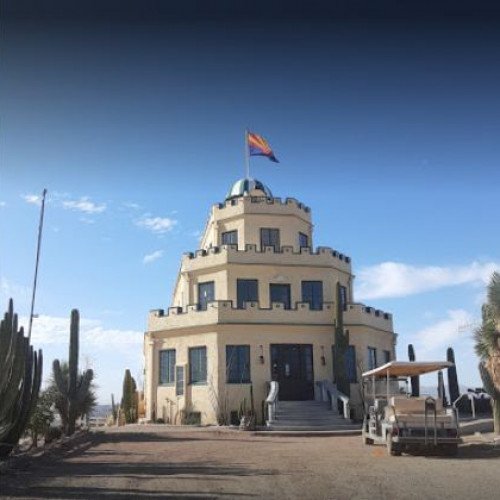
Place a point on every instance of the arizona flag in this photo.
(258, 146)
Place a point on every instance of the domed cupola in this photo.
(248, 187)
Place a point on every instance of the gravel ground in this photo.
(163, 462)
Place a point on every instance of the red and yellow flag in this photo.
(258, 146)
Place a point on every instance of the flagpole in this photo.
(40, 227)
(247, 156)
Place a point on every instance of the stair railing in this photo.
(272, 402)
(328, 392)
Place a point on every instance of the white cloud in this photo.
(20, 293)
(85, 205)
(158, 225)
(151, 257)
(133, 206)
(33, 199)
(394, 279)
(55, 330)
(443, 333)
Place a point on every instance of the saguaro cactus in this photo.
(340, 347)
(20, 378)
(453, 388)
(114, 410)
(441, 389)
(73, 388)
(415, 381)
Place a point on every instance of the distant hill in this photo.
(101, 411)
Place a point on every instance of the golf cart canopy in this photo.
(406, 368)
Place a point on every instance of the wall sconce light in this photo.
(261, 357)
(323, 359)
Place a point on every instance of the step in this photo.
(299, 421)
(349, 427)
(307, 433)
(312, 418)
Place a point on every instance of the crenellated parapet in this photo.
(224, 312)
(286, 255)
(261, 205)
(263, 200)
(362, 315)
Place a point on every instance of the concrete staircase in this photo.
(310, 416)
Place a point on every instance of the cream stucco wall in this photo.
(258, 324)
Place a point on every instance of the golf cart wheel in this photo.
(392, 448)
(367, 441)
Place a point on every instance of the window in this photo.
(206, 293)
(246, 291)
(197, 365)
(179, 380)
(167, 366)
(350, 364)
(343, 297)
(387, 356)
(238, 364)
(229, 238)
(372, 358)
(270, 238)
(312, 292)
(280, 293)
(303, 240)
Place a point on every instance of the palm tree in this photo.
(487, 346)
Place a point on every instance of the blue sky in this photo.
(388, 130)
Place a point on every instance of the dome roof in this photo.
(244, 187)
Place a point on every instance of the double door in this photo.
(292, 368)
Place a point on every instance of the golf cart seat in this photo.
(403, 405)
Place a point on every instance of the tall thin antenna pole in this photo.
(247, 156)
(40, 227)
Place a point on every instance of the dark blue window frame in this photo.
(280, 292)
(238, 364)
(229, 238)
(350, 364)
(372, 358)
(198, 365)
(303, 240)
(246, 291)
(270, 237)
(312, 292)
(206, 293)
(167, 366)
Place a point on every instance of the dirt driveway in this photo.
(161, 462)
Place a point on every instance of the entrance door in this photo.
(292, 368)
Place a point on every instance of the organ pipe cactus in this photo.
(453, 388)
(415, 381)
(74, 389)
(20, 378)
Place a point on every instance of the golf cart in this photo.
(402, 422)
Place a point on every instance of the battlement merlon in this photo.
(248, 213)
(357, 314)
(230, 254)
(261, 205)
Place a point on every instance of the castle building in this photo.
(257, 303)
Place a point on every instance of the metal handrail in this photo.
(430, 403)
(330, 391)
(472, 404)
(272, 401)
